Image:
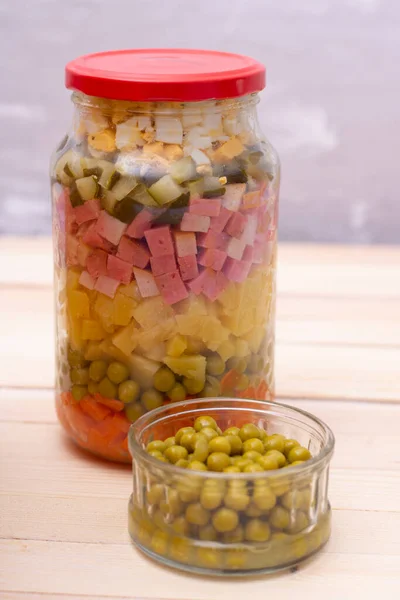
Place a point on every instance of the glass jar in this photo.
(224, 522)
(165, 200)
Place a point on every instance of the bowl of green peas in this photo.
(230, 486)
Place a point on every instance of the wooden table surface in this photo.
(63, 515)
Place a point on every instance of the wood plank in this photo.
(303, 270)
(113, 570)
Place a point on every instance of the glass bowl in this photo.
(283, 516)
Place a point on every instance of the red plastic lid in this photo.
(162, 74)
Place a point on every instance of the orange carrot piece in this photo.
(261, 392)
(230, 381)
(94, 409)
(115, 405)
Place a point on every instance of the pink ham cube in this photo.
(140, 224)
(87, 280)
(233, 196)
(258, 253)
(219, 223)
(214, 284)
(93, 239)
(87, 212)
(250, 230)
(133, 252)
(185, 243)
(107, 286)
(196, 285)
(251, 200)
(163, 264)
(146, 283)
(110, 228)
(212, 258)
(248, 254)
(96, 263)
(119, 269)
(188, 267)
(235, 248)
(213, 239)
(82, 254)
(206, 207)
(237, 270)
(192, 222)
(236, 225)
(172, 287)
(72, 250)
(159, 241)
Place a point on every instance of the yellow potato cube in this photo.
(123, 308)
(131, 290)
(151, 312)
(78, 304)
(104, 141)
(75, 334)
(126, 339)
(95, 351)
(226, 349)
(242, 348)
(110, 350)
(230, 149)
(92, 330)
(193, 367)
(104, 311)
(73, 279)
(176, 346)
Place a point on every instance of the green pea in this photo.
(180, 526)
(217, 461)
(211, 497)
(263, 435)
(159, 542)
(209, 433)
(232, 431)
(117, 372)
(151, 399)
(107, 388)
(253, 444)
(200, 447)
(253, 511)
(205, 421)
(225, 519)
(197, 515)
(211, 390)
(134, 411)
(174, 453)
(78, 392)
(156, 445)
(252, 455)
(183, 463)
(275, 442)
(219, 444)
(278, 456)
(170, 441)
(98, 370)
(237, 498)
(164, 380)
(299, 453)
(257, 530)
(288, 445)
(128, 391)
(210, 558)
(158, 519)
(155, 453)
(76, 359)
(186, 440)
(177, 393)
(249, 431)
(243, 383)
(239, 364)
(231, 469)
(253, 468)
(236, 444)
(189, 489)
(279, 517)
(196, 465)
(298, 523)
(193, 386)
(256, 364)
(155, 494)
(295, 463)
(93, 388)
(173, 505)
(268, 463)
(263, 497)
(242, 463)
(234, 537)
(215, 365)
(207, 533)
(80, 376)
(181, 432)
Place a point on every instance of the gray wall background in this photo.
(331, 106)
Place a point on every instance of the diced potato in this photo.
(176, 346)
(143, 370)
(226, 349)
(151, 311)
(173, 152)
(123, 308)
(75, 334)
(131, 290)
(78, 304)
(126, 339)
(242, 348)
(193, 367)
(229, 150)
(104, 311)
(92, 330)
(95, 351)
(254, 338)
(159, 333)
(110, 350)
(103, 141)
(157, 352)
(73, 279)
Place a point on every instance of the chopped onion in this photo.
(198, 138)
(169, 130)
(127, 134)
(199, 157)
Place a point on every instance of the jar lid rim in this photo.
(181, 75)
